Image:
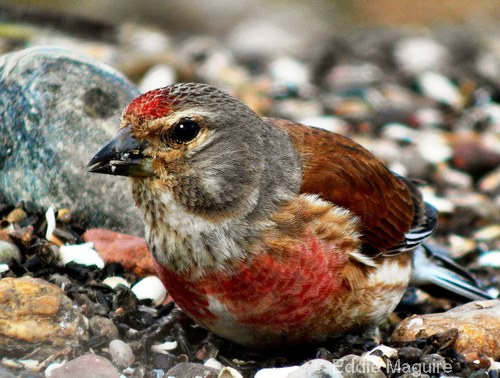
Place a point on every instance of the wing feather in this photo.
(346, 174)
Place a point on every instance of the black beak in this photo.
(122, 156)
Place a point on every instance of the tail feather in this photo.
(432, 267)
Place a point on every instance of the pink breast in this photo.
(277, 289)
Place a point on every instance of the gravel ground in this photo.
(426, 103)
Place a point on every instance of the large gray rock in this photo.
(57, 110)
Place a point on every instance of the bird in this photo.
(267, 232)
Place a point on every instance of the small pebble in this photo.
(158, 76)
(155, 373)
(8, 252)
(440, 88)
(429, 117)
(64, 215)
(379, 361)
(399, 132)
(329, 123)
(229, 372)
(490, 183)
(491, 259)
(16, 215)
(385, 350)
(442, 204)
(289, 73)
(164, 347)
(191, 369)
(83, 254)
(121, 353)
(434, 362)
(114, 281)
(212, 362)
(59, 280)
(418, 54)
(82, 366)
(51, 367)
(410, 354)
(276, 372)
(102, 326)
(164, 361)
(488, 233)
(433, 147)
(455, 179)
(50, 216)
(150, 288)
(460, 246)
(322, 368)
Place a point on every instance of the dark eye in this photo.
(185, 131)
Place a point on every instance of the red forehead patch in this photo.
(153, 104)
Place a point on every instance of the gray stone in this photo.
(101, 326)
(121, 353)
(9, 251)
(191, 369)
(58, 109)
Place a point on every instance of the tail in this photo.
(432, 266)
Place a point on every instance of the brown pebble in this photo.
(130, 251)
(476, 323)
(64, 215)
(16, 215)
(35, 314)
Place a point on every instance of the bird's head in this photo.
(206, 148)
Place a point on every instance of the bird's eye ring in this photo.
(184, 131)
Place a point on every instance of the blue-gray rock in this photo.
(58, 109)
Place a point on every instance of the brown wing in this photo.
(345, 173)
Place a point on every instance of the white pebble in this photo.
(493, 292)
(433, 147)
(114, 281)
(387, 351)
(49, 370)
(418, 54)
(491, 232)
(316, 368)
(276, 372)
(329, 123)
(379, 361)
(121, 353)
(290, 72)
(50, 216)
(440, 88)
(429, 117)
(4, 268)
(398, 132)
(83, 254)
(213, 363)
(229, 372)
(160, 75)
(165, 347)
(491, 259)
(150, 288)
(443, 205)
